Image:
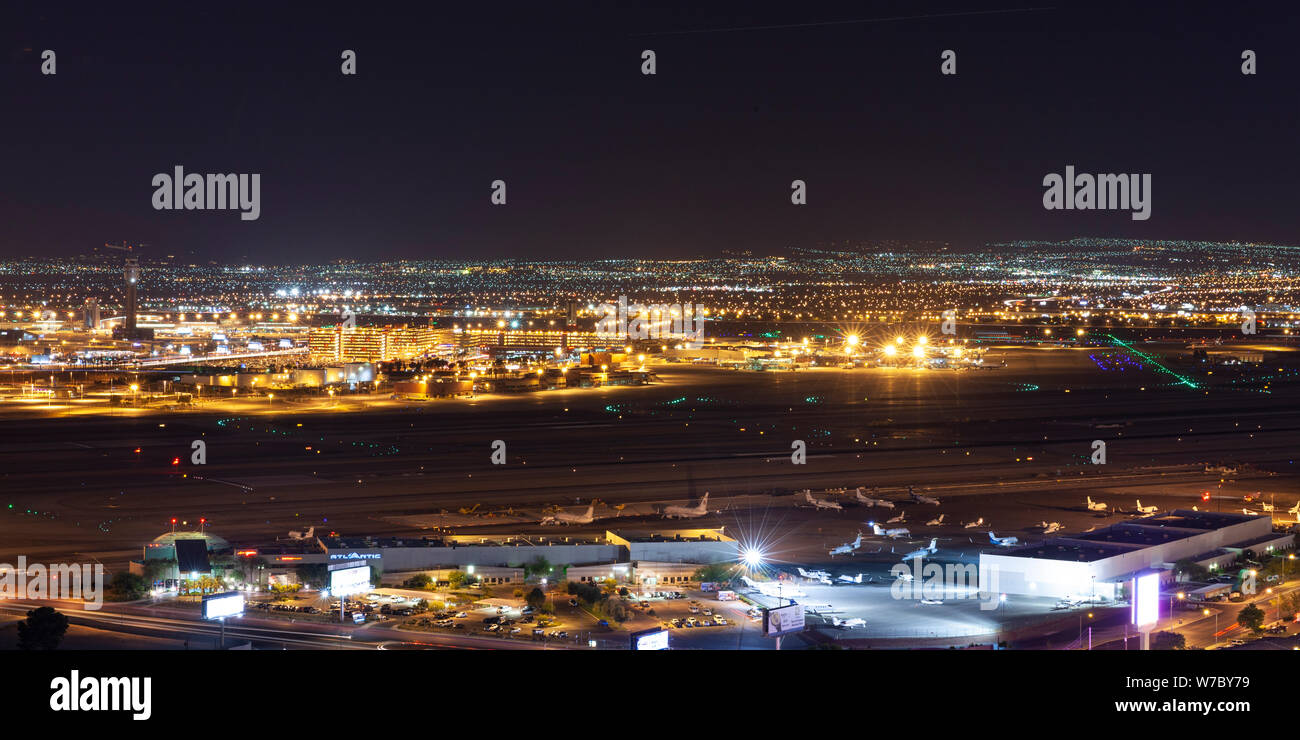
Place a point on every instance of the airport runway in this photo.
(1011, 445)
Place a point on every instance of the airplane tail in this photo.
(934, 544)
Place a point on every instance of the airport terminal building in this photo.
(1100, 563)
(662, 557)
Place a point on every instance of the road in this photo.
(264, 633)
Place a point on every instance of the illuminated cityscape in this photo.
(545, 335)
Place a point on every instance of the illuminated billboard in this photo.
(783, 620)
(1146, 599)
(220, 606)
(652, 639)
(353, 579)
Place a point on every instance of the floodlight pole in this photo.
(222, 646)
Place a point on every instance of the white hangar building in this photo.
(1100, 563)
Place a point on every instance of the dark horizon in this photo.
(603, 162)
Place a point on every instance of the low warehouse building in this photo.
(1099, 564)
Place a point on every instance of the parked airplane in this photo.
(1146, 509)
(1004, 541)
(937, 522)
(891, 533)
(1051, 527)
(859, 578)
(922, 499)
(1294, 510)
(816, 575)
(1095, 505)
(975, 524)
(924, 551)
(902, 517)
(847, 548)
(816, 503)
(775, 589)
(848, 624)
(1224, 469)
(305, 535)
(865, 500)
(931, 602)
(565, 518)
(688, 512)
(1268, 508)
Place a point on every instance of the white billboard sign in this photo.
(1146, 599)
(783, 620)
(348, 581)
(656, 640)
(219, 606)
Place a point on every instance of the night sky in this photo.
(601, 161)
